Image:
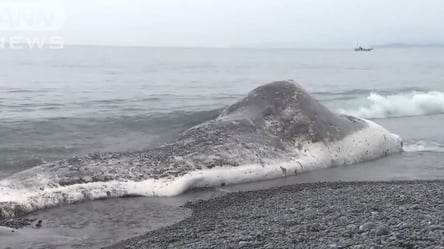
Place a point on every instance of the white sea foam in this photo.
(367, 144)
(424, 146)
(398, 105)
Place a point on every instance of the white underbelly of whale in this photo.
(366, 144)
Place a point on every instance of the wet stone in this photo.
(382, 230)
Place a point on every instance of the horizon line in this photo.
(386, 45)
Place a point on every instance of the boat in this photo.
(357, 49)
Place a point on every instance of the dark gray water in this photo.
(59, 103)
(87, 225)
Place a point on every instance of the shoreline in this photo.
(395, 214)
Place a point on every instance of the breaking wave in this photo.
(412, 103)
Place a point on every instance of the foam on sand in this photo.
(423, 146)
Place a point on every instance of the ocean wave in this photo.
(423, 146)
(355, 92)
(412, 103)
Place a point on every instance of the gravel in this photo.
(17, 223)
(315, 215)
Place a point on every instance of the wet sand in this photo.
(401, 214)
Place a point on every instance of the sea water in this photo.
(58, 103)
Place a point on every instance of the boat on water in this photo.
(357, 49)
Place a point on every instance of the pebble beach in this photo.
(400, 214)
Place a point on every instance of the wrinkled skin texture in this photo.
(267, 124)
(272, 122)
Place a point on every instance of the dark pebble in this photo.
(382, 230)
(318, 215)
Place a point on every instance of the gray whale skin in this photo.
(278, 129)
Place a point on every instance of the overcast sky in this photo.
(261, 23)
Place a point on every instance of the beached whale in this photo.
(277, 130)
